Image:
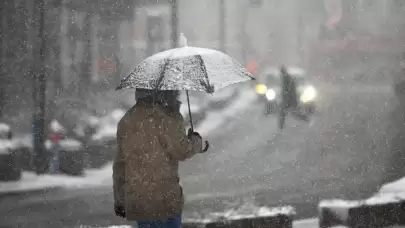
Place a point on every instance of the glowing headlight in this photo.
(261, 89)
(308, 95)
(270, 94)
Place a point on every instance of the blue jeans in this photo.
(174, 222)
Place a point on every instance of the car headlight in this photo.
(308, 95)
(270, 94)
(261, 89)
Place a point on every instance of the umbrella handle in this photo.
(207, 146)
(189, 112)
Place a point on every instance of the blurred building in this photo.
(360, 39)
(95, 43)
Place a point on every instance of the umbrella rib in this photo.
(207, 85)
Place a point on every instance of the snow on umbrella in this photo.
(184, 69)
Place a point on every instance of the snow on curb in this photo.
(394, 187)
(6, 146)
(246, 215)
(306, 223)
(70, 145)
(381, 210)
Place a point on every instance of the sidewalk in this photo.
(389, 191)
(30, 182)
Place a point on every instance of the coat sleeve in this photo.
(119, 173)
(179, 146)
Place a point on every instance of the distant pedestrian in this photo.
(288, 95)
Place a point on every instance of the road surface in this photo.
(345, 152)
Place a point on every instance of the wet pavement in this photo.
(343, 152)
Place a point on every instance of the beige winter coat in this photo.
(150, 143)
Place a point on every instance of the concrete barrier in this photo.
(264, 217)
(378, 211)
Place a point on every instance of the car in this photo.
(268, 90)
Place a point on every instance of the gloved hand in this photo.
(191, 133)
(119, 211)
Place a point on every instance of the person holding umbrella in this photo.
(151, 143)
(151, 138)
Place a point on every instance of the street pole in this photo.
(222, 25)
(175, 24)
(86, 65)
(3, 55)
(41, 158)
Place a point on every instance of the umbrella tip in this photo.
(182, 40)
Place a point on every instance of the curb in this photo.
(279, 217)
(362, 214)
(29, 192)
(276, 221)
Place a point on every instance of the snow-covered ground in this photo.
(394, 187)
(31, 182)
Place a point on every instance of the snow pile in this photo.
(340, 208)
(31, 182)
(4, 128)
(55, 126)
(312, 223)
(394, 187)
(26, 141)
(251, 211)
(379, 199)
(23, 141)
(6, 146)
(70, 145)
(246, 210)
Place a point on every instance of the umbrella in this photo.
(184, 69)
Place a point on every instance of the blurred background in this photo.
(352, 52)
(90, 47)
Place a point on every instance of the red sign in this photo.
(252, 67)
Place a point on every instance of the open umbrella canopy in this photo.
(186, 68)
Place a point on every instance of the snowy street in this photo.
(343, 153)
